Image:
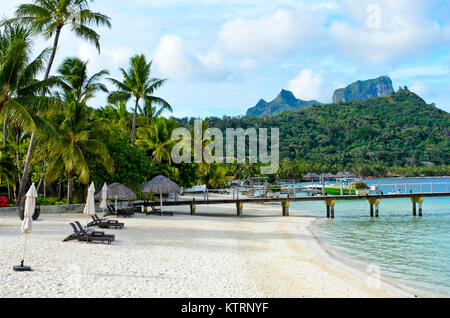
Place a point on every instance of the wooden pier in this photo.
(330, 202)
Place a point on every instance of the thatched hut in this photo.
(161, 185)
(118, 191)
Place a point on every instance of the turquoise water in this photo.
(412, 250)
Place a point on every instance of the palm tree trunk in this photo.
(5, 127)
(5, 143)
(52, 57)
(69, 187)
(26, 169)
(133, 128)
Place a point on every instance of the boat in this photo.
(343, 187)
(336, 190)
(313, 189)
(196, 189)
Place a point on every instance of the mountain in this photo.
(284, 101)
(397, 130)
(363, 90)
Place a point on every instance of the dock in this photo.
(417, 200)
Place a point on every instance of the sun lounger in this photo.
(105, 223)
(92, 237)
(82, 230)
(156, 211)
(121, 212)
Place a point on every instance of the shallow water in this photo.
(412, 250)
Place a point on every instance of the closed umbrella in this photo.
(103, 204)
(27, 223)
(89, 208)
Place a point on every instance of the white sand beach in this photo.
(210, 254)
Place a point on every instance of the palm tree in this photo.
(7, 167)
(214, 176)
(75, 126)
(157, 139)
(74, 79)
(138, 84)
(18, 84)
(149, 112)
(19, 88)
(49, 17)
(118, 114)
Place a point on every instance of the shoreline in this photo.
(211, 254)
(359, 266)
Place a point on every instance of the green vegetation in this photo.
(53, 135)
(285, 101)
(398, 135)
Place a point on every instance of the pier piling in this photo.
(239, 208)
(374, 202)
(193, 208)
(285, 207)
(417, 201)
(330, 208)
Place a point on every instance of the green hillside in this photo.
(398, 130)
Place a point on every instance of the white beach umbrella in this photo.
(89, 208)
(103, 204)
(27, 223)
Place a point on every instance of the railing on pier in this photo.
(330, 201)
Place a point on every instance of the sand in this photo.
(210, 254)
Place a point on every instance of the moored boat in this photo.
(336, 190)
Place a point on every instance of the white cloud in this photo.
(269, 35)
(172, 59)
(419, 88)
(110, 58)
(248, 65)
(386, 30)
(426, 70)
(307, 85)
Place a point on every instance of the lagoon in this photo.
(411, 250)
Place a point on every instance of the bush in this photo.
(361, 186)
(50, 201)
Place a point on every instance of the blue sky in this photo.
(222, 56)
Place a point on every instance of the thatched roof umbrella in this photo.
(340, 175)
(161, 185)
(117, 191)
(308, 176)
(349, 175)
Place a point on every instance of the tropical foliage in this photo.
(56, 134)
